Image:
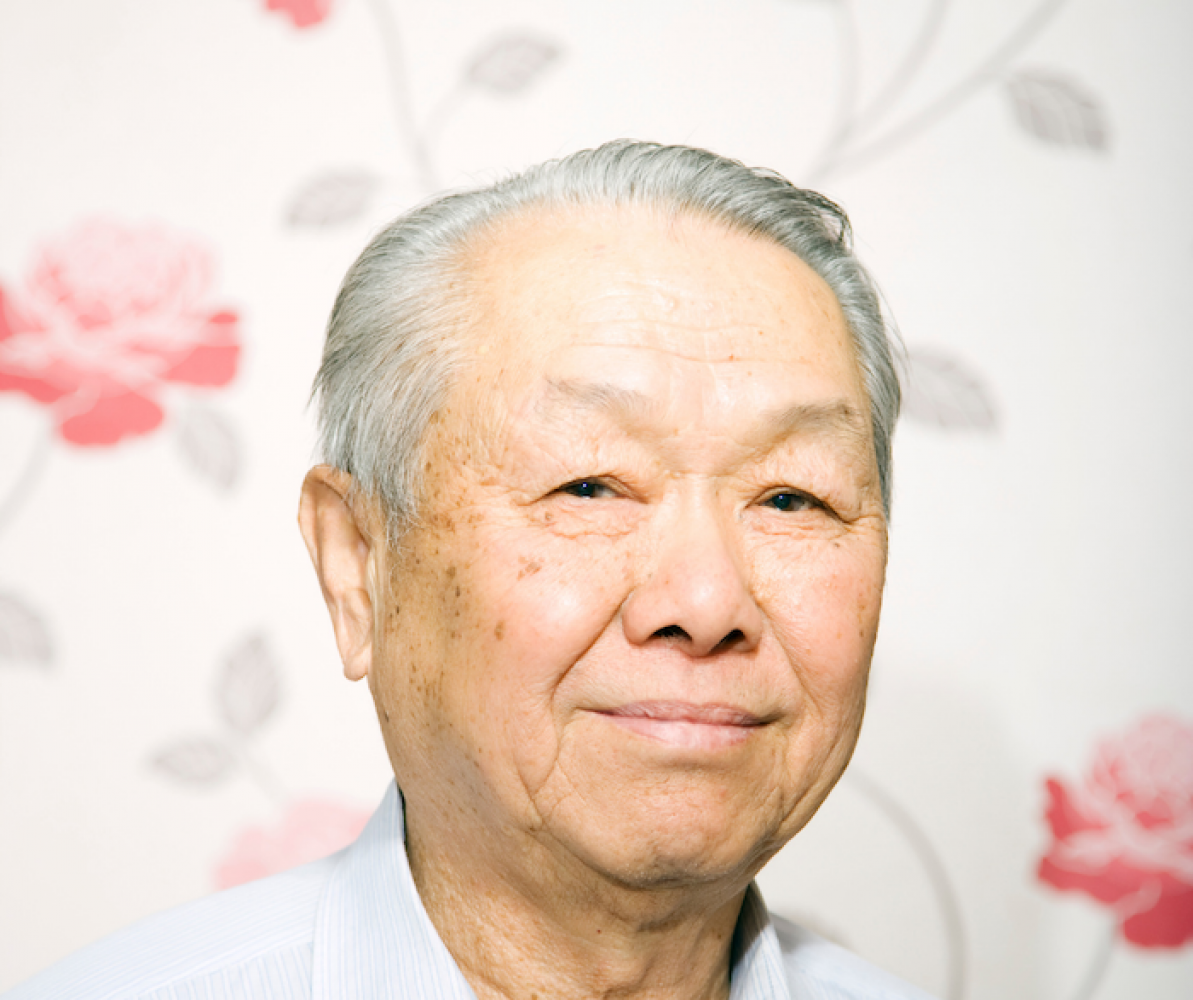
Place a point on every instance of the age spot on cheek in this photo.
(499, 631)
(529, 568)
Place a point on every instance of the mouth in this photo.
(684, 725)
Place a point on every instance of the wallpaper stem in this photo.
(1032, 25)
(844, 118)
(395, 60)
(942, 887)
(915, 57)
(1096, 972)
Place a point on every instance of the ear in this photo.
(344, 548)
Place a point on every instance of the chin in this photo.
(681, 867)
(672, 848)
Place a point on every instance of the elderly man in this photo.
(603, 522)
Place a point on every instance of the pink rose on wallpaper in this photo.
(304, 13)
(310, 830)
(108, 316)
(1125, 835)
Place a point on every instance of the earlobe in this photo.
(341, 549)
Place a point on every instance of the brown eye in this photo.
(791, 502)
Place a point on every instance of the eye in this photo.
(587, 489)
(792, 501)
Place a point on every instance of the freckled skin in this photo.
(711, 554)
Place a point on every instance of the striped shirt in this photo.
(352, 927)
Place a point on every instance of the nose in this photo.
(696, 592)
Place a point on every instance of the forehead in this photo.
(642, 299)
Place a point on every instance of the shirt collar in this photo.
(757, 971)
(374, 940)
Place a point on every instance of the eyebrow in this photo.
(598, 396)
(830, 418)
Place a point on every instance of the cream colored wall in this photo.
(171, 713)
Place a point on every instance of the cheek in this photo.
(823, 602)
(823, 599)
(512, 633)
(551, 600)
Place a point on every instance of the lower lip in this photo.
(683, 734)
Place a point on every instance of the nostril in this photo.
(671, 632)
(732, 639)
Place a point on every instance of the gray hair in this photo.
(390, 353)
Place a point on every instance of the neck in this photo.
(526, 926)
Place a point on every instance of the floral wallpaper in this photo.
(182, 188)
(1124, 836)
(106, 318)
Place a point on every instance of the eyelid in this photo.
(778, 491)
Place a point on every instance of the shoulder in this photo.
(817, 968)
(266, 923)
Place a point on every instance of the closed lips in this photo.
(678, 711)
(678, 724)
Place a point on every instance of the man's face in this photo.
(635, 623)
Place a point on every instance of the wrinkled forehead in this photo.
(551, 284)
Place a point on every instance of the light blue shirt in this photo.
(352, 927)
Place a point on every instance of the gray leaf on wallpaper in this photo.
(210, 444)
(198, 760)
(940, 389)
(511, 62)
(332, 198)
(249, 686)
(1058, 109)
(24, 637)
